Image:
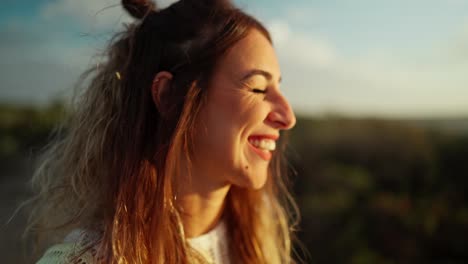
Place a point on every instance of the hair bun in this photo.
(138, 8)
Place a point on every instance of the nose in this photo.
(281, 115)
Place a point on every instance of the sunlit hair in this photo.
(112, 170)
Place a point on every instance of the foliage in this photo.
(25, 128)
(381, 191)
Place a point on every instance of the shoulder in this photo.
(72, 250)
(66, 253)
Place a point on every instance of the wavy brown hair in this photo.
(112, 171)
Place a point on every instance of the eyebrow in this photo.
(263, 73)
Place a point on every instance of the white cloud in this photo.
(305, 49)
(303, 15)
(97, 15)
(36, 65)
(40, 63)
(459, 47)
(318, 78)
(36, 81)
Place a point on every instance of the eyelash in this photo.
(259, 91)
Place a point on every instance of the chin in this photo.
(258, 185)
(251, 181)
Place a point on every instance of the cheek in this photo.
(227, 116)
(224, 112)
(217, 126)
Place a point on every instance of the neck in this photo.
(201, 207)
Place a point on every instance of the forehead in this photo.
(252, 52)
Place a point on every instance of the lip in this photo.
(273, 137)
(265, 155)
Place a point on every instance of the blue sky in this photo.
(400, 58)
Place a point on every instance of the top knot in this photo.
(139, 8)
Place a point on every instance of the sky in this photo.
(399, 58)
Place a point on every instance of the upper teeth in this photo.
(267, 144)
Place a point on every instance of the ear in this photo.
(160, 88)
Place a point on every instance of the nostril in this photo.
(278, 120)
(282, 114)
(281, 124)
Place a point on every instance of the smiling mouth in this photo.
(262, 146)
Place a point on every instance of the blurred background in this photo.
(380, 150)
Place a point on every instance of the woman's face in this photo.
(243, 116)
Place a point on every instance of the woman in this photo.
(171, 155)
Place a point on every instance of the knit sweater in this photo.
(213, 246)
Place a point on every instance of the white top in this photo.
(214, 245)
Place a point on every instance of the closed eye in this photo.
(260, 91)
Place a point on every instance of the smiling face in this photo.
(242, 118)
